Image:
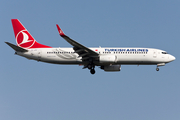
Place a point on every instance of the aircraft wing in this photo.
(81, 50)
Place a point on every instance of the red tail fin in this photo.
(23, 37)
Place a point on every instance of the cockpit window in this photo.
(164, 53)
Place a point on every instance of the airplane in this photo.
(108, 59)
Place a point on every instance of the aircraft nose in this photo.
(171, 58)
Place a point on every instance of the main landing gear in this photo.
(92, 71)
(91, 68)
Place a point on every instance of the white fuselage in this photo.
(109, 59)
(107, 56)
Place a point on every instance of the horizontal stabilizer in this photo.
(16, 48)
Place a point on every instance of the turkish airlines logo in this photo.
(24, 39)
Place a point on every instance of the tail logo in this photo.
(24, 39)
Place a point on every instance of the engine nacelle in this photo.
(107, 59)
(111, 68)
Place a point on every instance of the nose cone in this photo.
(171, 58)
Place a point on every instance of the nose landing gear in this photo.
(160, 64)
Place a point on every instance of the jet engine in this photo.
(107, 59)
(111, 68)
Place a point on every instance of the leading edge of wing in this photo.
(74, 43)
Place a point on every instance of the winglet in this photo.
(60, 31)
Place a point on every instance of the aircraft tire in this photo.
(89, 66)
(92, 71)
(157, 69)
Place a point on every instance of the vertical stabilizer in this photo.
(23, 38)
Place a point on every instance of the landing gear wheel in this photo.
(157, 69)
(92, 71)
(89, 66)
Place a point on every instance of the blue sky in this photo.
(35, 90)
